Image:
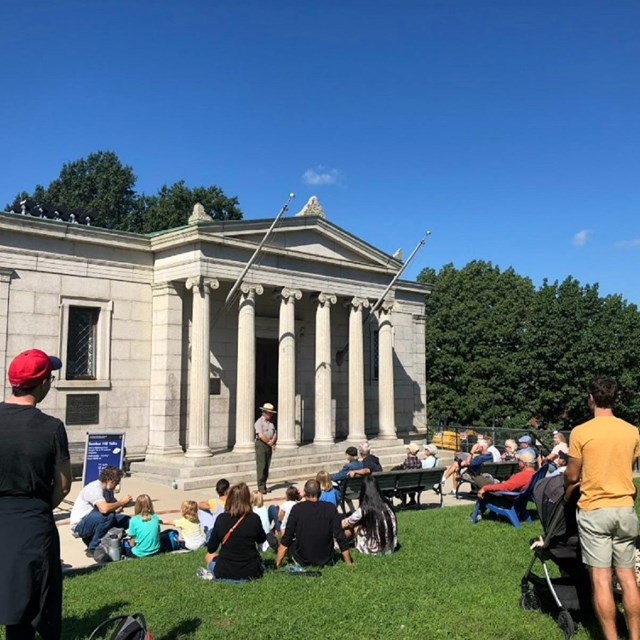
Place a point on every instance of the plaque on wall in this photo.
(83, 408)
(214, 386)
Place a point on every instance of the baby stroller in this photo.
(569, 595)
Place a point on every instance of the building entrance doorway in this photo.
(266, 373)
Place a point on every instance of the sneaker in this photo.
(89, 553)
(436, 487)
(204, 574)
(272, 541)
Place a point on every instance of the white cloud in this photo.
(320, 176)
(580, 238)
(628, 244)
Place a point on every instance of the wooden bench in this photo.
(394, 484)
(499, 470)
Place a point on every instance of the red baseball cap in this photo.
(31, 368)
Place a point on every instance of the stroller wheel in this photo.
(529, 601)
(566, 623)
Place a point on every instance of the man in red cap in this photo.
(35, 477)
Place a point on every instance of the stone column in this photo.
(356, 369)
(198, 439)
(323, 368)
(246, 381)
(386, 405)
(5, 283)
(166, 371)
(287, 369)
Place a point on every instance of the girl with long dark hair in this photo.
(373, 523)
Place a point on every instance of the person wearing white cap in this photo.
(516, 482)
(430, 459)
(266, 437)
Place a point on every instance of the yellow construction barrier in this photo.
(451, 440)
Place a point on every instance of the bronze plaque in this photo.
(214, 386)
(83, 408)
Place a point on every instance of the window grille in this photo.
(82, 343)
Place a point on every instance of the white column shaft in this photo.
(287, 369)
(246, 381)
(198, 440)
(356, 370)
(323, 414)
(386, 408)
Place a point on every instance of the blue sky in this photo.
(508, 129)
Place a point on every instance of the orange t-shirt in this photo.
(607, 447)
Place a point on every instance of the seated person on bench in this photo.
(370, 463)
(516, 482)
(468, 462)
(352, 464)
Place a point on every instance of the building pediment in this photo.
(304, 238)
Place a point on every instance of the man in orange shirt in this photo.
(601, 455)
(516, 482)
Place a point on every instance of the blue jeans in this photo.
(272, 512)
(95, 526)
(212, 565)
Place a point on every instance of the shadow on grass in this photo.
(73, 627)
(182, 630)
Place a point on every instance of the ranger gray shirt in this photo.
(265, 427)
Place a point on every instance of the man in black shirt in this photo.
(35, 475)
(311, 529)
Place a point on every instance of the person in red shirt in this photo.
(516, 482)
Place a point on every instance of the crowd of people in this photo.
(306, 530)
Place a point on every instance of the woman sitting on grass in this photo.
(373, 523)
(144, 530)
(233, 554)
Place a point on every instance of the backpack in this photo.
(170, 541)
(133, 627)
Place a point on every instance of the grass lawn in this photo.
(450, 580)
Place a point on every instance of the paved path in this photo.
(166, 502)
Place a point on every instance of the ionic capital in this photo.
(201, 285)
(357, 304)
(250, 291)
(325, 298)
(385, 308)
(286, 294)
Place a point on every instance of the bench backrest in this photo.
(499, 470)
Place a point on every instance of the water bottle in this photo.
(114, 547)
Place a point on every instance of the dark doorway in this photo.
(266, 372)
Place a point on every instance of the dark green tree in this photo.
(172, 206)
(499, 351)
(476, 319)
(103, 187)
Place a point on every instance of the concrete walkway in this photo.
(166, 502)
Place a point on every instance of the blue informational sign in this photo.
(101, 450)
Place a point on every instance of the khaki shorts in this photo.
(608, 536)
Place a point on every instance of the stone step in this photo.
(286, 466)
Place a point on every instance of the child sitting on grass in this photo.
(293, 497)
(329, 492)
(189, 526)
(144, 530)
